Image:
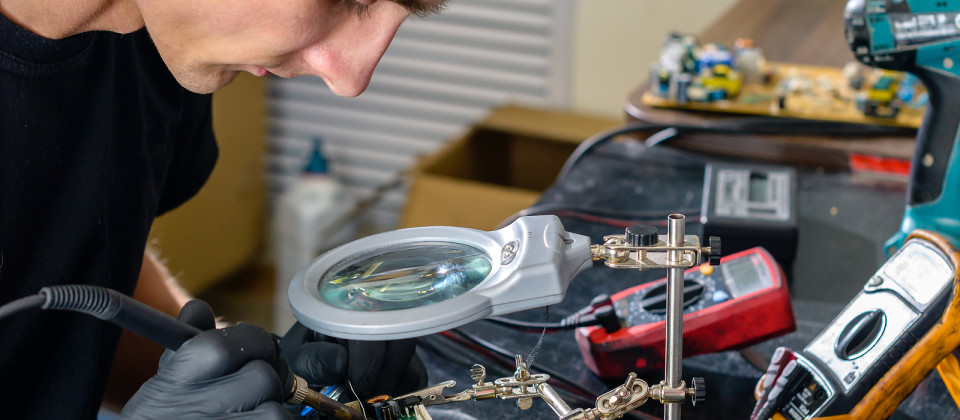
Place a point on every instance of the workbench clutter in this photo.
(716, 78)
(903, 323)
(555, 265)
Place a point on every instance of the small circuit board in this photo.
(714, 78)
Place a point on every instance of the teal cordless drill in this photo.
(921, 37)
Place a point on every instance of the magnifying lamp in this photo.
(418, 281)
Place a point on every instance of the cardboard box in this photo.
(500, 167)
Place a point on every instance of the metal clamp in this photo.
(624, 398)
(433, 395)
(617, 253)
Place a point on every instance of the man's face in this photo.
(207, 43)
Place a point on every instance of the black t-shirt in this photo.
(96, 139)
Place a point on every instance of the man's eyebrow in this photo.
(418, 7)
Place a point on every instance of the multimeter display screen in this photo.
(758, 188)
(920, 270)
(408, 276)
(743, 276)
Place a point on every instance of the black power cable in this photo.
(22, 304)
(641, 216)
(768, 126)
(665, 132)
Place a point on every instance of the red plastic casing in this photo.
(736, 323)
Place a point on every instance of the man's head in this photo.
(206, 43)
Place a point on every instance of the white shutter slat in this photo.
(440, 75)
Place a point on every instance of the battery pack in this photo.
(752, 205)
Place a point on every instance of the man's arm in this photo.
(136, 359)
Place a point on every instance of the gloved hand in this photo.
(230, 373)
(372, 367)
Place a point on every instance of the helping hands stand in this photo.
(639, 248)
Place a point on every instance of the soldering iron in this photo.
(123, 311)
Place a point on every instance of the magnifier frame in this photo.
(535, 274)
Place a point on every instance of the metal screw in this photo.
(509, 252)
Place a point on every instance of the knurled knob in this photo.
(715, 252)
(699, 390)
(300, 389)
(641, 235)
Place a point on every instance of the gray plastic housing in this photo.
(545, 261)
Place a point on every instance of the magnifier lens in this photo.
(407, 276)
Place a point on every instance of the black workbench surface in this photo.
(843, 222)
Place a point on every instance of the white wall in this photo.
(616, 40)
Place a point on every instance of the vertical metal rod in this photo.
(553, 399)
(674, 351)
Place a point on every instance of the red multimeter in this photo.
(742, 301)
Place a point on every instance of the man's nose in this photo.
(346, 63)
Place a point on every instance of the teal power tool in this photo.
(921, 37)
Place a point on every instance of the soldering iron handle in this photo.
(121, 310)
(128, 313)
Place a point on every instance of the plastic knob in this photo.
(608, 319)
(641, 235)
(699, 390)
(715, 252)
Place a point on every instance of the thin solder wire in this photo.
(536, 348)
(350, 384)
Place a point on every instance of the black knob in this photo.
(699, 390)
(641, 235)
(608, 319)
(715, 252)
(859, 334)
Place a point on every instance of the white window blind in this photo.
(440, 75)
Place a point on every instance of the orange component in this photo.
(378, 398)
(706, 269)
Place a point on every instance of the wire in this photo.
(536, 349)
(537, 326)
(598, 139)
(652, 216)
(471, 350)
(621, 222)
(661, 136)
(20, 305)
(586, 394)
(475, 344)
(781, 126)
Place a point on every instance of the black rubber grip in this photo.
(121, 310)
(936, 136)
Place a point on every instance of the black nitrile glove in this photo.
(230, 373)
(373, 367)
